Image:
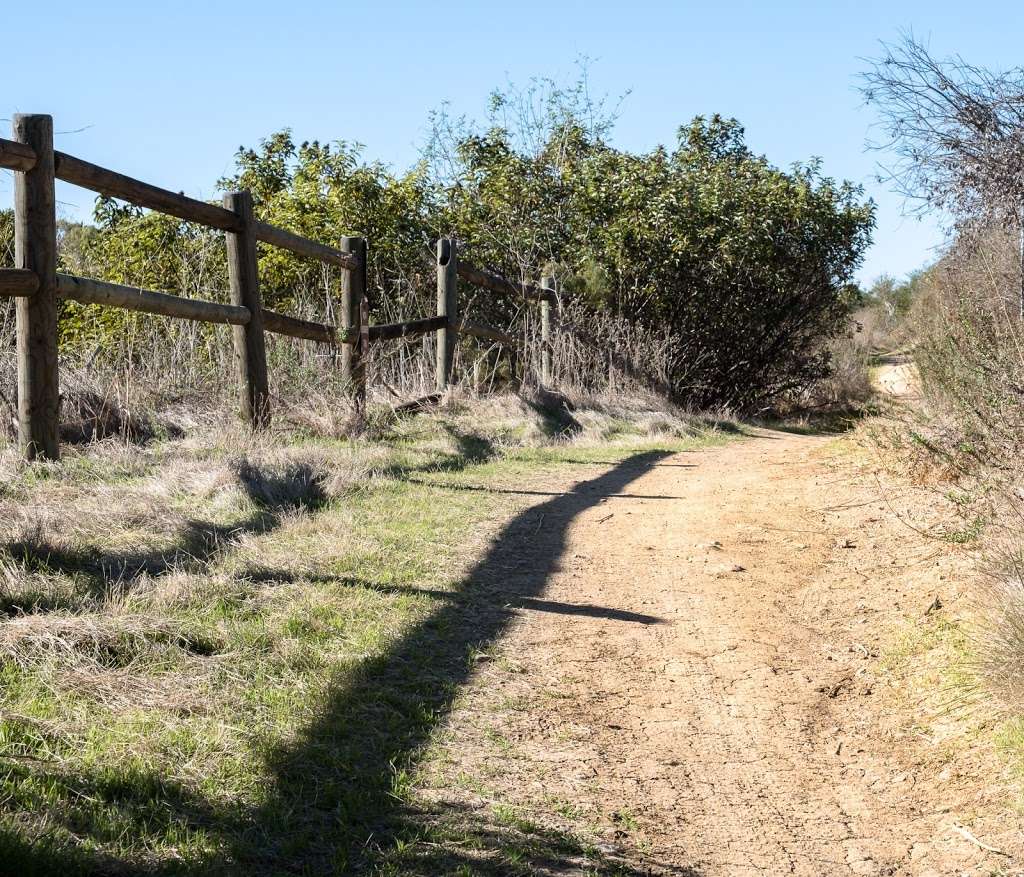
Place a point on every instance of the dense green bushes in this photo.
(743, 269)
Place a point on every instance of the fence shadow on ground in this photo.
(265, 575)
(196, 545)
(334, 801)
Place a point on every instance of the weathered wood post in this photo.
(250, 347)
(548, 285)
(353, 290)
(35, 246)
(447, 306)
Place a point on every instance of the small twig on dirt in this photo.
(605, 518)
(843, 506)
(968, 836)
(540, 524)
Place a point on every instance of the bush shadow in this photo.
(196, 545)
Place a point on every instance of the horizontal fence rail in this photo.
(18, 282)
(282, 324)
(270, 234)
(98, 179)
(16, 156)
(115, 185)
(485, 334)
(99, 292)
(408, 329)
(37, 287)
(497, 283)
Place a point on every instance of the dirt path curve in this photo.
(725, 710)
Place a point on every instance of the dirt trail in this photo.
(726, 710)
(896, 376)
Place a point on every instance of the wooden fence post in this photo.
(35, 244)
(353, 290)
(447, 306)
(547, 284)
(250, 347)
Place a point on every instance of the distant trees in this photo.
(895, 297)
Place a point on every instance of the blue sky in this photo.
(167, 92)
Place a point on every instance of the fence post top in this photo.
(38, 126)
(446, 248)
(354, 244)
(236, 198)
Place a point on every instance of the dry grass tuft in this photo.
(328, 415)
(109, 641)
(999, 631)
(92, 410)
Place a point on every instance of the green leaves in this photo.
(744, 266)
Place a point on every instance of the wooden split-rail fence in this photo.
(38, 288)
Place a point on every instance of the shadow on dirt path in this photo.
(336, 796)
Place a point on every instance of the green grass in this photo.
(248, 678)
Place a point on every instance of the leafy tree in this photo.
(323, 192)
(749, 268)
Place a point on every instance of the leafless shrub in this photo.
(957, 131)
(597, 351)
(970, 351)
